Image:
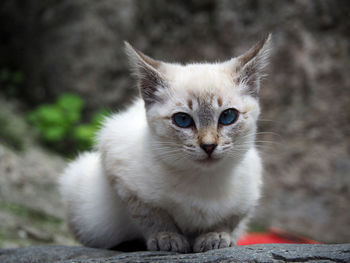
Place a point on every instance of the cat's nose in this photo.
(208, 148)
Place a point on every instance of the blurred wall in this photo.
(78, 46)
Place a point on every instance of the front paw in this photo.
(212, 240)
(168, 241)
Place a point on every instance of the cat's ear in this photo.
(146, 69)
(248, 69)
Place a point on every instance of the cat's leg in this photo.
(157, 226)
(222, 235)
(96, 214)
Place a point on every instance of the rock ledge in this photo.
(254, 253)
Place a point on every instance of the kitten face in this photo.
(203, 92)
(201, 114)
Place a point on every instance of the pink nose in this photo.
(208, 148)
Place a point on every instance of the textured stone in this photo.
(29, 179)
(77, 46)
(256, 253)
(30, 207)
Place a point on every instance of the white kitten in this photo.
(178, 168)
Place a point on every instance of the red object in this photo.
(273, 236)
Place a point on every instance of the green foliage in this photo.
(10, 81)
(60, 126)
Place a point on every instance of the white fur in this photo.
(195, 198)
(136, 148)
(93, 206)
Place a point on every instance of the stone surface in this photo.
(256, 253)
(30, 209)
(77, 46)
(29, 179)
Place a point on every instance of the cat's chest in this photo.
(192, 213)
(194, 203)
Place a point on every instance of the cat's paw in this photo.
(168, 241)
(212, 240)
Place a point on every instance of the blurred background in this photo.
(62, 68)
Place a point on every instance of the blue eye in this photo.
(183, 120)
(228, 116)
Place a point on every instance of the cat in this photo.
(178, 168)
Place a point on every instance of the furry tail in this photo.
(96, 214)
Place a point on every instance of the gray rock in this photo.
(77, 46)
(30, 208)
(256, 253)
(29, 178)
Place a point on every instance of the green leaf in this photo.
(70, 102)
(60, 123)
(99, 117)
(50, 114)
(84, 135)
(54, 133)
(84, 132)
(72, 117)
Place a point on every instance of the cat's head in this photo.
(201, 114)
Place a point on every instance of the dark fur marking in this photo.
(149, 78)
(150, 81)
(154, 63)
(190, 103)
(205, 114)
(219, 101)
(150, 219)
(251, 53)
(250, 66)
